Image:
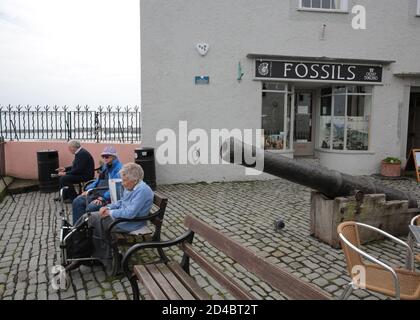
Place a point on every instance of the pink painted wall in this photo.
(21, 158)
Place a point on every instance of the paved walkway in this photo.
(245, 211)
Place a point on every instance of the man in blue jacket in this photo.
(109, 170)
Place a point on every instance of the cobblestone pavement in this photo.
(244, 210)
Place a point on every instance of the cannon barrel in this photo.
(329, 182)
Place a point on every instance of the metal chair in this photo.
(376, 276)
(414, 222)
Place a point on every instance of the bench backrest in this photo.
(285, 282)
(160, 201)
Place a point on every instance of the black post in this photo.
(3, 168)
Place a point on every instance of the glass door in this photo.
(413, 139)
(303, 137)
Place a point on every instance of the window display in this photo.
(276, 102)
(345, 117)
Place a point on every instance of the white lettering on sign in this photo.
(350, 71)
(315, 73)
(287, 68)
(301, 66)
(318, 71)
(371, 75)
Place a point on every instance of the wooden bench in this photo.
(150, 232)
(170, 280)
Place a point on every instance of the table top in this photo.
(415, 231)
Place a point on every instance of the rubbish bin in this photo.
(47, 163)
(146, 158)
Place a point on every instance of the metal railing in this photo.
(102, 124)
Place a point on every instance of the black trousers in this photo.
(68, 181)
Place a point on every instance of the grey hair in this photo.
(75, 144)
(132, 171)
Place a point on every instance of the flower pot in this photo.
(390, 169)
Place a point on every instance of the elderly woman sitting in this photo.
(137, 200)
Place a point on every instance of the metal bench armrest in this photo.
(145, 218)
(187, 236)
(85, 184)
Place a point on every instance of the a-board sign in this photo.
(413, 162)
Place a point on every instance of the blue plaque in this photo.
(202, 80)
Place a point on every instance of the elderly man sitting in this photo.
(82, 169)
(136, 202)
(109, 170)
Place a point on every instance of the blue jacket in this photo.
(134, 204)
(113, 173)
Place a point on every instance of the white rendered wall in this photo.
(170, 29)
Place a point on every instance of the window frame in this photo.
(288, 134)
(344, 8)
(346, 94)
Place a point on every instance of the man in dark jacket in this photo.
(82, 170)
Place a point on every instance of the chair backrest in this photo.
(285, 282)
(416, 220)
(350, 231)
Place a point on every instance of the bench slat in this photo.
(175, 283)
(234, 288)
(162, 282)
(288, 284)
(188, 282)
(150, 284)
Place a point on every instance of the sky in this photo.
(70, 52)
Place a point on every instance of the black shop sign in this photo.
(317, 71)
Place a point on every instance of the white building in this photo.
(317, 86)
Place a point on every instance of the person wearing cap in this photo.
(109, 170)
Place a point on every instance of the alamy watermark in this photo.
(358, 275)
(359, 20)
(59, 278)
(199, 146)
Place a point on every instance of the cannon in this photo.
(331, 183)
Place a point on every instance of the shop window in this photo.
(323, 5)
(345, 118)
(276, 110)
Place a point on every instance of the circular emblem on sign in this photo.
(263, 69)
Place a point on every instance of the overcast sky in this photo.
(70, 52)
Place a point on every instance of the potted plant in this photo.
(391, 167)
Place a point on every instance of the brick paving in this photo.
(244, 210)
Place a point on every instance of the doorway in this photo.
(413, 138)
(303, 133)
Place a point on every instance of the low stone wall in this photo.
(21, 156)
(326, 214)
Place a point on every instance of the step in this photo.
(22, 186)
(3, 191)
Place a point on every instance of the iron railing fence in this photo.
(102, 124)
